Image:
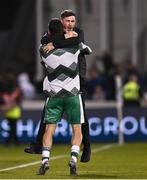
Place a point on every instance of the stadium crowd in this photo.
(100, 82)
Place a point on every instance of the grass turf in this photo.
(115, 162)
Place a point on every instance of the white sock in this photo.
(45, 154)
(75, 149)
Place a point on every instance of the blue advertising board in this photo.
(103, 123)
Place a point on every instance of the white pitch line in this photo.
(102, 148)
(54, 158)
(31, 164)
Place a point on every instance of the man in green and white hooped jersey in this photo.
(62, 87)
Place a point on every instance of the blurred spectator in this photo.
(27, 88)
(11, 105)
(107, 61)
(109, 74)
(132, 91)
(130, 69)
(99, 93)
(2, 90)
(93, 81)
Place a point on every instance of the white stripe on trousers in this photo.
(82, 119)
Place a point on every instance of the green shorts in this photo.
(72, 106)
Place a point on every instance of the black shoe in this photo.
(73, 167)
(43, 168)
(86, 155)
(33, 149)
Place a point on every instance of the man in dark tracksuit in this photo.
(65, 18)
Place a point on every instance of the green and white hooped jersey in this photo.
(62, 73)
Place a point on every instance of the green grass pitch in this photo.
(108, 161)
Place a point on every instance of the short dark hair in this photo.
(55, 26)
(67, 13)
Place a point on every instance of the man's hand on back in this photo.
(48, 47)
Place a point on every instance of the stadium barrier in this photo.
(103, 122)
